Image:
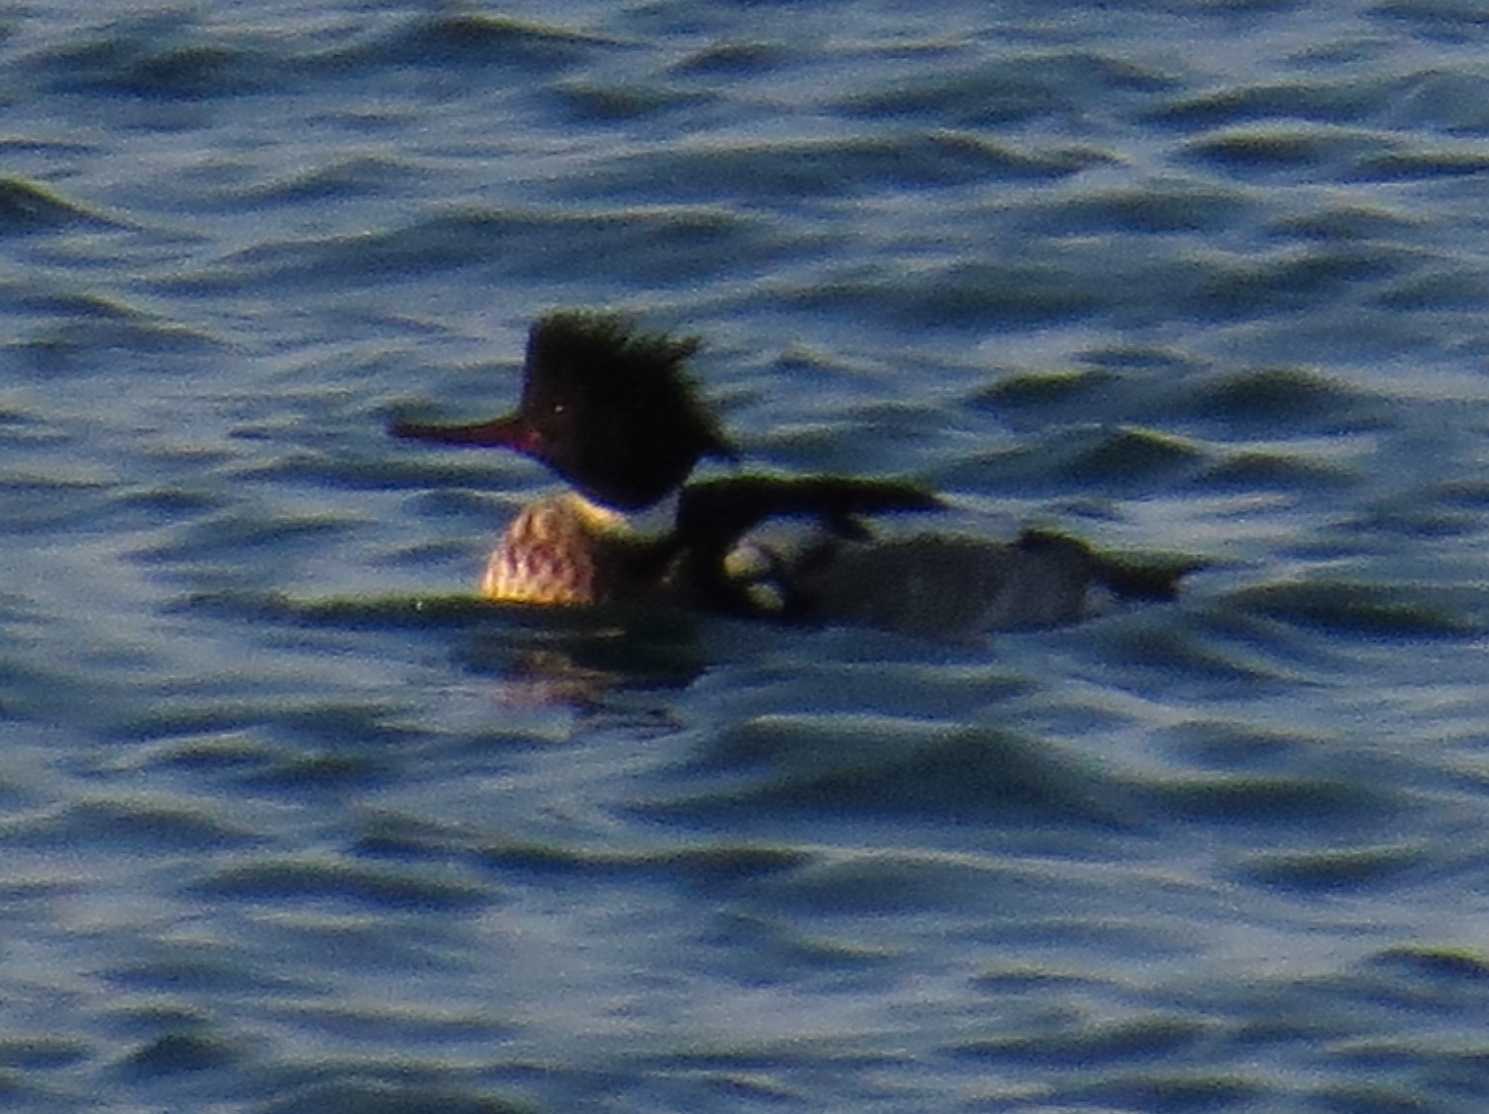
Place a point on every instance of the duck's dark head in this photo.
(609, 408)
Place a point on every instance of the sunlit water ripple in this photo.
(291, 824)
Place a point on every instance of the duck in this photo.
(613, 412)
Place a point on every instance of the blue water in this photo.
(290, 825)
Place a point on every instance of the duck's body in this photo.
(611, 411)
(568, 551)
(696, 550)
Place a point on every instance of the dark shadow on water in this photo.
(572, 656)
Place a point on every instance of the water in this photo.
(290, 825)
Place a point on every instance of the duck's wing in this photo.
(714, 517)
(721, 510)
(743, 558)
(953, 586)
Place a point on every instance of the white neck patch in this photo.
(655, 521)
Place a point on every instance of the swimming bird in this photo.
(612, 411)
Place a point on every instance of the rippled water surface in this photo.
(290, 824)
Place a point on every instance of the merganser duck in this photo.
(613, 412)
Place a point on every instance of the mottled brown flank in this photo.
(546, 556)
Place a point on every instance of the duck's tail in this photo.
(1131, 576)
